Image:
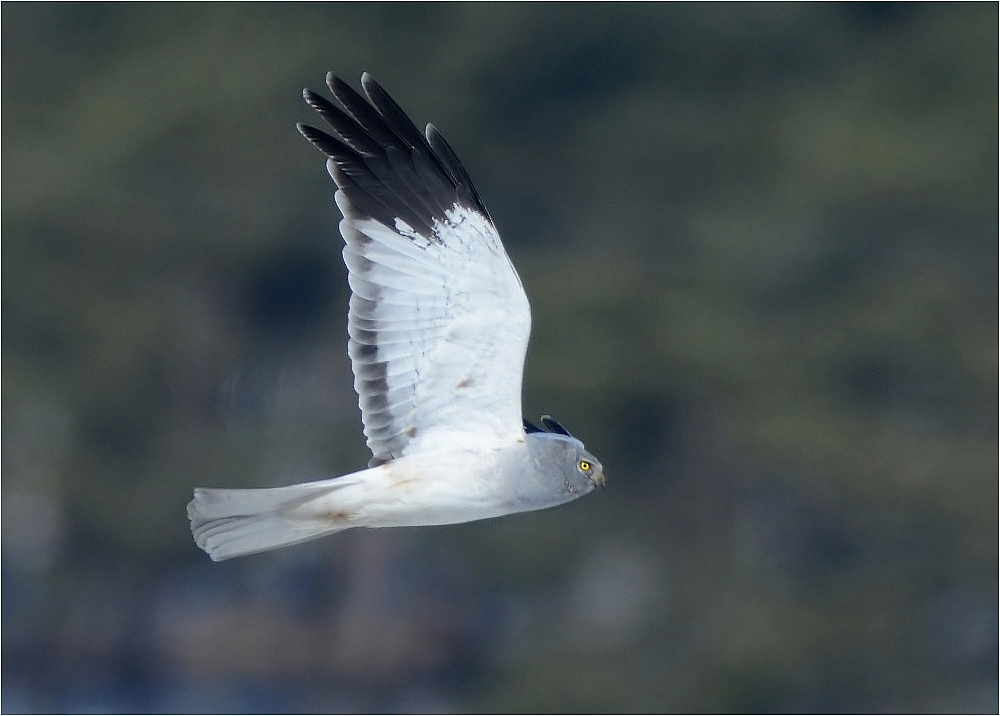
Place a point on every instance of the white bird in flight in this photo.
(438, 327)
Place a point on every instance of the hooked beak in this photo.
(599, 480)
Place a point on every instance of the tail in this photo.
(233, 523)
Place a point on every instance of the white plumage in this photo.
(438, 325)
(449, 321)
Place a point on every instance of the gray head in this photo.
(564, 458)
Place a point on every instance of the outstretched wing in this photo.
(438, 319)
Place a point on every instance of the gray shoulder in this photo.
(552, 444)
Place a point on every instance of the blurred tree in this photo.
(760, 243)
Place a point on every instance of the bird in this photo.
(438, 327)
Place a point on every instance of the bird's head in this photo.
(587, 468)
(581, 471)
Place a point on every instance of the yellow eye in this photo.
(585, 466)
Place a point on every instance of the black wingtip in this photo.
(310, 133)
(311, 98)
(553, 426)
(339, 87)
(403, 172)
(530, 427)
(330, 146)
(372, 89)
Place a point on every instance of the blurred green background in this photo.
(760, 243)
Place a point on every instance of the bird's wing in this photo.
(438, 319)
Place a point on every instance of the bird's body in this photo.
(438, 325)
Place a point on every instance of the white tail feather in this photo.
(233, 523)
